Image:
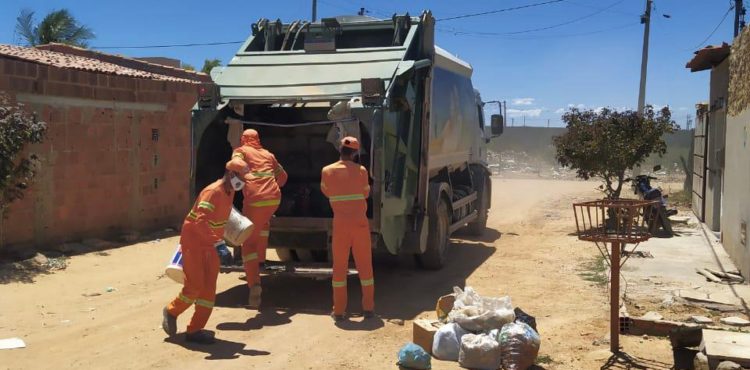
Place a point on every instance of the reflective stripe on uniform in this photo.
(239, 155)
(345, 198)
(216, 225)
(266, 203)
(278, 170)
(249, 257)
(262, 174)
(265, 233)
(204, 303)
(338, 284)
(367, 282)
(185, 299)
(206, 205)
(192, 216)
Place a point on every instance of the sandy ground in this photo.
(69, 319)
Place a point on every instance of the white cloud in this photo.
(579, 106)
(560, 111)
(522, 101)
(524, 112)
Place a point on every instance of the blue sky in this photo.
(592, 62)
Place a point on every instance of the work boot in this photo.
(200, 337)
(337, 318)
(168, 322)
(368, 314)
(254, 299)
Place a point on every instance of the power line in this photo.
(715, 28)
(538, 37)
(169, 45)
(609, 10)
(551, 26)
(499, 10)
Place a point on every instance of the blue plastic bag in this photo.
(412, 356)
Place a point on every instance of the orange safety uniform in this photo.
(345, 183)
(262, 196)
(202, 230)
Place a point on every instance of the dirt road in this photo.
(69, 319)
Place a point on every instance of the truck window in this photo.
(454, 111)
(480, 114)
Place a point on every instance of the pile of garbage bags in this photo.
(486, 333)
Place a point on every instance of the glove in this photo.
(225, 256)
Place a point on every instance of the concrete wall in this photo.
(716, 139)
(737, 177)
(104, 171)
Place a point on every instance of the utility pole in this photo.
(512, 122)
(645, 19)
(547, 122)
(739, 17)
(524, 120)
(314, 10)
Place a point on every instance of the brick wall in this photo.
(116, 157)
(739, 72)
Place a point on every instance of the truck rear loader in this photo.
(412, 105)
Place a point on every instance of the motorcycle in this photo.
(659, 216)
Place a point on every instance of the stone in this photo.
(728, 365)
(73, 248)
(701, 320)
(735, 321)
(700, 362)
(652, 316)
(98, 244)
(40, 260)
(398, 322)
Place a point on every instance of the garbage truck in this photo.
(411, 104)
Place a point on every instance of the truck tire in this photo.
(437, 237)
(477, 227)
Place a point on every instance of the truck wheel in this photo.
(437, 238)
(477, 227)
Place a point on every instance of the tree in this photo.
(606, 144)
(17, 169)
(210, 64)
(58, 26)
(188, 67)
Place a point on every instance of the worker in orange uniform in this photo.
(346, 185)
(202, 233)
(262, 196)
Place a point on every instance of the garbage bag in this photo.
(480, 351)
(519, 344)
(447, 342)
(412, 356)
(480, 314)
(525, 318)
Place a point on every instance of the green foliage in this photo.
(58, 26)
(210, 64)
(608, 143)
(188, 67)
(17, 128)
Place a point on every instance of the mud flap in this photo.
(416, 241)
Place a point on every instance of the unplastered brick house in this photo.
(116, 158)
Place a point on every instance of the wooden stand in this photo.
(614, 299)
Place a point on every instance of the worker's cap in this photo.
(350, 142)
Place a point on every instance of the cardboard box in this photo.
(444, 306)
(424, 332)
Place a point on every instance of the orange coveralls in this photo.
(202, 230)
(345, 183)
(262, 196)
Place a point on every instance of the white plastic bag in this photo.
(479, 351)
(447, 342)
(480, 314)
(519, 344)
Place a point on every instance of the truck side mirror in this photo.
(496, 124)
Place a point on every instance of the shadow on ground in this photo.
(220, 350)
(625, 361)
(402, 289)
(20, 272)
